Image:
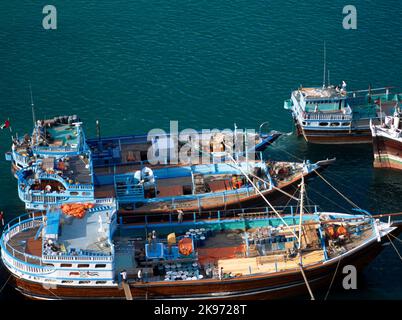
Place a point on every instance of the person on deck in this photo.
(221, 273)
(2, 218)
(139, 275)
(179, 216)
(123, 275)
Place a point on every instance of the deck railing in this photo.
(220, 215)
(20, 158)
(79, 257)
(54, 149)
(22, 261)
(325, 116)
(25, 262)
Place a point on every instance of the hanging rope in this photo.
(293, 197)
(333, 278)
(340, 193)
(396, 250)
(396, 238)
(274, 187)
(4, 285)
(262, 196)
(290, 154)
(328, 199)
(53, 293)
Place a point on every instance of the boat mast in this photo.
(329, 82)
(302, 190)
(325, 65)
(381, 117)
(32, 106)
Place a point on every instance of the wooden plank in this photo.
(127, 291)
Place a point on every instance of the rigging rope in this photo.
(328, 199)
(395, 238)
(291, 230)
(340, 193)
(396, 250)
(333, 278)
(4, 285)
(274, 187)
(262, 196)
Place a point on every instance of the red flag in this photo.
(5, 125)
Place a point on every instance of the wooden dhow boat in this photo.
(255, 253)
(143, 190)
(332, 115)
(64, 136)
(387, 141)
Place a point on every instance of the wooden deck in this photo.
(24, 243)
(267, 264)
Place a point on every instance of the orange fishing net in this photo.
(76, 210)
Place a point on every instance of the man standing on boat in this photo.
(123, 275)
(179, 216)
(139, 275)
(2, 218)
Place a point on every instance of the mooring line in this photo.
(4, 285)
(396, 250)
(333, 278)
(395, 237)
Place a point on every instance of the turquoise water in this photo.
(135, 65)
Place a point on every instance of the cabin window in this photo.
(187, 190)
(67, 281)
(144, 155)
(323, 124)
(100, 282)
(74, 193)
(49, 264)
(83, 265)
(347, 124)
(101, 265)
(335, 124)
(86, 193)
(84, 282)
(66, 265)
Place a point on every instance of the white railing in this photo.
(65, 257)
(105, 201)
(323, 116)
(15, 258)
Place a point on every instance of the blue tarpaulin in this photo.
(52, 224)
(154, 251)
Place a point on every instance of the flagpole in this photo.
(32, 106)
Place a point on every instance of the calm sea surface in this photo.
(135, 65)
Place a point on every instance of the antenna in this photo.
(32, 106)
(329, 82)
(325, 64)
